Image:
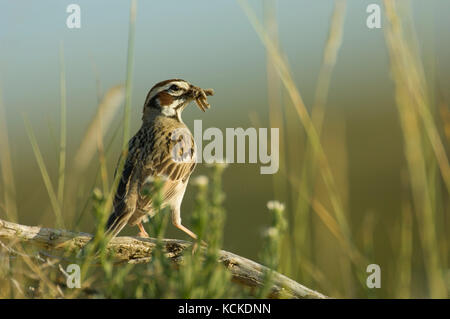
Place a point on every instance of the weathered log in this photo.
(138, 250)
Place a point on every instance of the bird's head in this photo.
(170, 97)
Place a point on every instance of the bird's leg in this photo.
(142, 232)
(186, 230)
(176, 221)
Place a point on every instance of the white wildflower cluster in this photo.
(275, 205)
(200, 181)
(271, 232)
(97, 193)
(218, 163)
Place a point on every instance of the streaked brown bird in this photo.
(162, 149)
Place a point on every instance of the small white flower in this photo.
(98, 194)
(219, 163)
(200, 180)
(275, 205)
(270, 232)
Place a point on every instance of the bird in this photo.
(163, 149)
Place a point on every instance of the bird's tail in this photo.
(116, 222)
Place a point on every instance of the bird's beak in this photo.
(200, 97)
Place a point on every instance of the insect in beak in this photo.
(200, 97)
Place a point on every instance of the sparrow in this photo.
(163, 149)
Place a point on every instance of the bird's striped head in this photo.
(170, 97)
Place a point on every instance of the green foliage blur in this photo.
(196, 274)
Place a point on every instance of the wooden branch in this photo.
(138, 250)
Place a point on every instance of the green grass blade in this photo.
(6, 169)
(63, 141)
(130, 60)
(45, 176)
(288, 82)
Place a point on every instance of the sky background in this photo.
(210, 44)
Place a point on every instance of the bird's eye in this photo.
(174, 87)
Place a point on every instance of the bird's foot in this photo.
(142, 233)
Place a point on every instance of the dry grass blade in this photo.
(405, 256)
(288, 82)
(6, 167)
(45, 176)
(276, 108)
(62, 147)
(328, 62)
(126, 119)
(416, 121)
(93, 141)
(106, 111)
(309, 168)
(331, 223)
(410, 72)
(130, 60)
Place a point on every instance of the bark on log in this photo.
(138, 250)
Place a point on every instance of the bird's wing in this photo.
(125, 199)
(172, 161)
(154, 153)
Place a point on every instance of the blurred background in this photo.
(388, 200)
